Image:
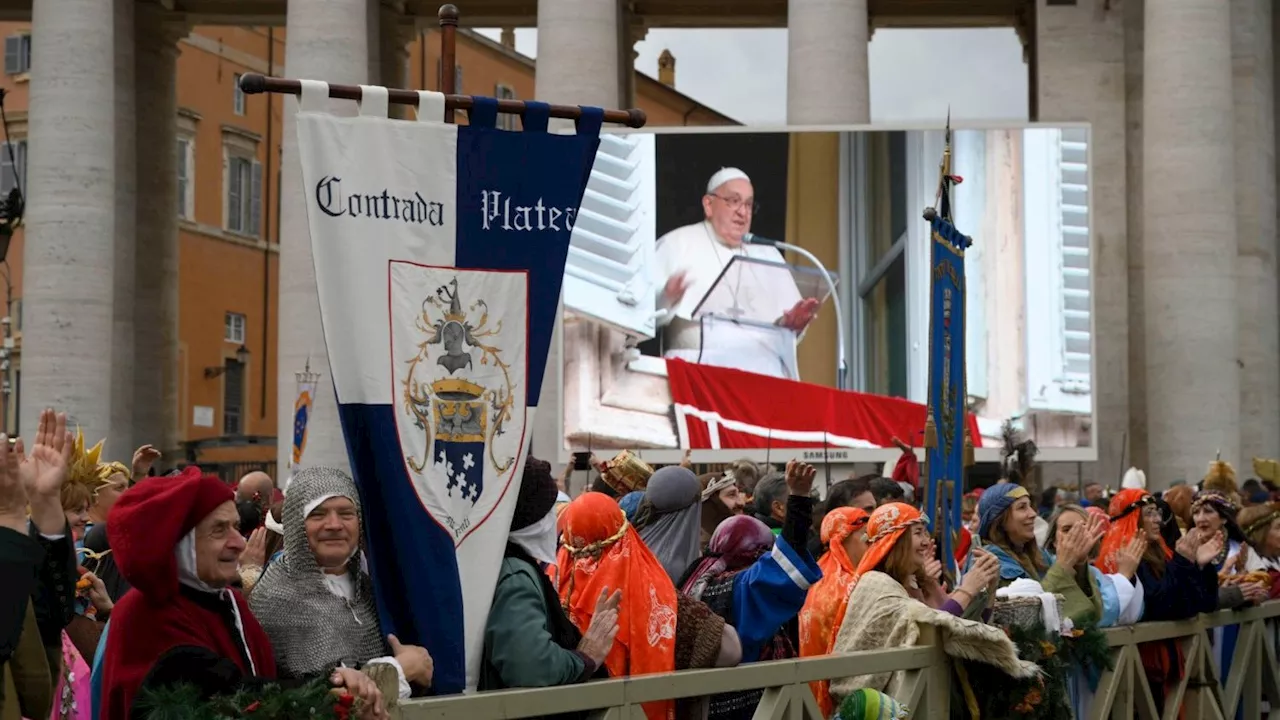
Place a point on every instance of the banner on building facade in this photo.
(306, 392)
(439, 255)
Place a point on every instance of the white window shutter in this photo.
(608, 273)
(8, 170)
(13, 55)
(235, 193)
(1077, 286)
(255, 205)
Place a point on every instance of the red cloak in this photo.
(144, 529)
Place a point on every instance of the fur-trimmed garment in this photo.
(881, 615)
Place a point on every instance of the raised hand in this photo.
(255, 550)
(933, 570)
(687, 461)
(1129, 557)
(800, 477)
(45, 469)
(1075, 547)
(143, 458)
(1209, 550)
(1188, 544)
(598, 639)
(13, 494)
(984, 572)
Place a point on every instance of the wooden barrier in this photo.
(1121, 693)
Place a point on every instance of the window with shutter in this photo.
(607, 276)
(237, 95)
(254, 226)
(235, 194)
(183, 177)
(17, 54)
(13, 167)
(505, 120)
(1059, 287)
(233, 398)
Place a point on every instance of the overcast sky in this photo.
(915, 74)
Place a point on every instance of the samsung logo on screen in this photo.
(826, 455)
(500, 213)
(379, 205)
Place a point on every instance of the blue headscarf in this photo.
(630, 503)
(995, 500)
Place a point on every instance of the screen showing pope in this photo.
(691, 259)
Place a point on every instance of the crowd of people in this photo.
(127, 589)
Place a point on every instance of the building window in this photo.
(882, 286)
(234, 329)
(237, 95)
(233, 398)
(13, 167)
(186, 178)
(17, 54)
(244, 196)
(506, 121)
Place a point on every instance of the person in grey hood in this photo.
(316, 603)
(669, 519)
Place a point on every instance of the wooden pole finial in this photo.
(448, 15)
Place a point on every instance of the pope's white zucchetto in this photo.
(723, 176)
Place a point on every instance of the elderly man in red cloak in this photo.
(176, 540)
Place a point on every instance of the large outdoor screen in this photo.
(664, 350)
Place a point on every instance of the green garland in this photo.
(1045, 697)
(314, 701)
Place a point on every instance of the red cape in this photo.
(155, 616)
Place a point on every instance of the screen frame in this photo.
(845, 456)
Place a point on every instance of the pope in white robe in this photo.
(691, 259)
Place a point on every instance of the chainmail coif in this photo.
(313, 630)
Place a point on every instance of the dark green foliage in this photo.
(1045, 697)
(314, 701)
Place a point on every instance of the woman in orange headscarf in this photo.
(844, 535)
(601, 550)
(1176, 584)
(889, 603)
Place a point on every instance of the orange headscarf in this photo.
(601, 550)
(1126, 522)
(886, 525)
(825, 605)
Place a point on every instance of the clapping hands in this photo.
(1129, 557)
(598, 639)
(1076, 547)
(983, 572)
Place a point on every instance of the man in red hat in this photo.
(176, 540)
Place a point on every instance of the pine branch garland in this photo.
(313, 701)
(1045, 697)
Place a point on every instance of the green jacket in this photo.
(518, 648)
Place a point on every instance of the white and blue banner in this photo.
(439, 255)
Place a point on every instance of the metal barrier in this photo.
(1121, 692)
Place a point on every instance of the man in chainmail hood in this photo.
(316, 602)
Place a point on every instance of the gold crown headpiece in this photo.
(87, 468)
(1222, 477)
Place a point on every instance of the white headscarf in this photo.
(538, 539)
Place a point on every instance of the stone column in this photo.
(121, 437)
(395, 34)
(827, 75)
(1133, 46)
(1189, 217)
(1255, 147)
(155, 334)
(328, 40)
(578, 52)
(1081, 54)
(578, 58)
(69, 259)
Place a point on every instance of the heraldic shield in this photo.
(458, 340)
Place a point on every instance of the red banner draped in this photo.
(720, 408)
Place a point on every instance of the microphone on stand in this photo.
(842, 368)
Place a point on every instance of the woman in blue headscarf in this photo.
(1007, 524)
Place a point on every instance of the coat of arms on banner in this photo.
(458, 342)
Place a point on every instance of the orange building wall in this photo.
(222, 272)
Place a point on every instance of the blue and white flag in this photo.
(439, 254)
